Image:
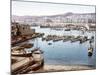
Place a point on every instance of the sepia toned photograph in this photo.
(52, 37)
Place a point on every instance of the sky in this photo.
(20, 8)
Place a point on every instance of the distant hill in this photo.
(66, 17)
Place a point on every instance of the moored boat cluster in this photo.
(66, 38)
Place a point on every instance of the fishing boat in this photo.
(49, 43)
(48, 38)
(37, 54)
(27, 45)
(57, 29)
(37, 50)
(74, 40)
(19, 51)
(21, 54)
(44, 26)
(65, 39)
(55, 40)
(90, 51)
(83, 39)
(67, 29)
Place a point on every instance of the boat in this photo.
(44, 26)
(37, 50)
(83, 39)
(22, 54)
(74, 40)
(49, 43)
(57, 29)
(37, 55)
(48, 39)
(91, 41)
(67, 29)
(55, 40)
(19, 51)
(17, 48)
(90, 51)
(27, 45)
(65, 40)
(26, 65)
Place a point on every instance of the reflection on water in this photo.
(65, 52)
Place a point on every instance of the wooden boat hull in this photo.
(22, 55)
(67, 29)
(65, 40)
(74, 40)
(27, 45)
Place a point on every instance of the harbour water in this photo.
(65, 53)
